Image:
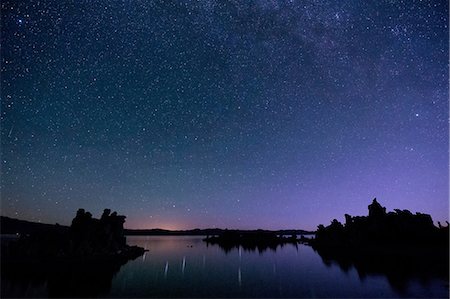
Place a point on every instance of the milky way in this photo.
(239, 114)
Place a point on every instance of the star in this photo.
(224, 110)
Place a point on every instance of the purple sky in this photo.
(265, 114)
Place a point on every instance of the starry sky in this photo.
(238, 114)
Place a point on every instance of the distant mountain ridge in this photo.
(209, 231)
(16, 226)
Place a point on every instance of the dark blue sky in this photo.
(239, 114)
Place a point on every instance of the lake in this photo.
(185, 266)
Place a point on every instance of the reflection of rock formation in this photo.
(398, 267)
(73, 279)
(251, 241)
(399, 244)
(77, 262)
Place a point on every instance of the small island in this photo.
(251, 240)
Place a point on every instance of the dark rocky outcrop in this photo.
(398, 244)
(383, 229)
(86, 238)
(77, 261)
(97, 236)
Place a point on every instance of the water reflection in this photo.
(213, 270)
(239, 276)
(166, 268)
(186, 267)
(400, 269)
(183, 265)
(261, 248)
(51, 279)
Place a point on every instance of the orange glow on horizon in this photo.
(149, 224)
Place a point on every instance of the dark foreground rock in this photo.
(399, 244)
(384, 230)
(87, 238)
(78, 262)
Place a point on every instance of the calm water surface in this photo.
(184, 266)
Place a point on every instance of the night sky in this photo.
(238, 114)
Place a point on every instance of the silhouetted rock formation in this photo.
(397, 228)
(91, 247)
(398, 244)
(93, 236)
(250, 240)
(87, 237)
